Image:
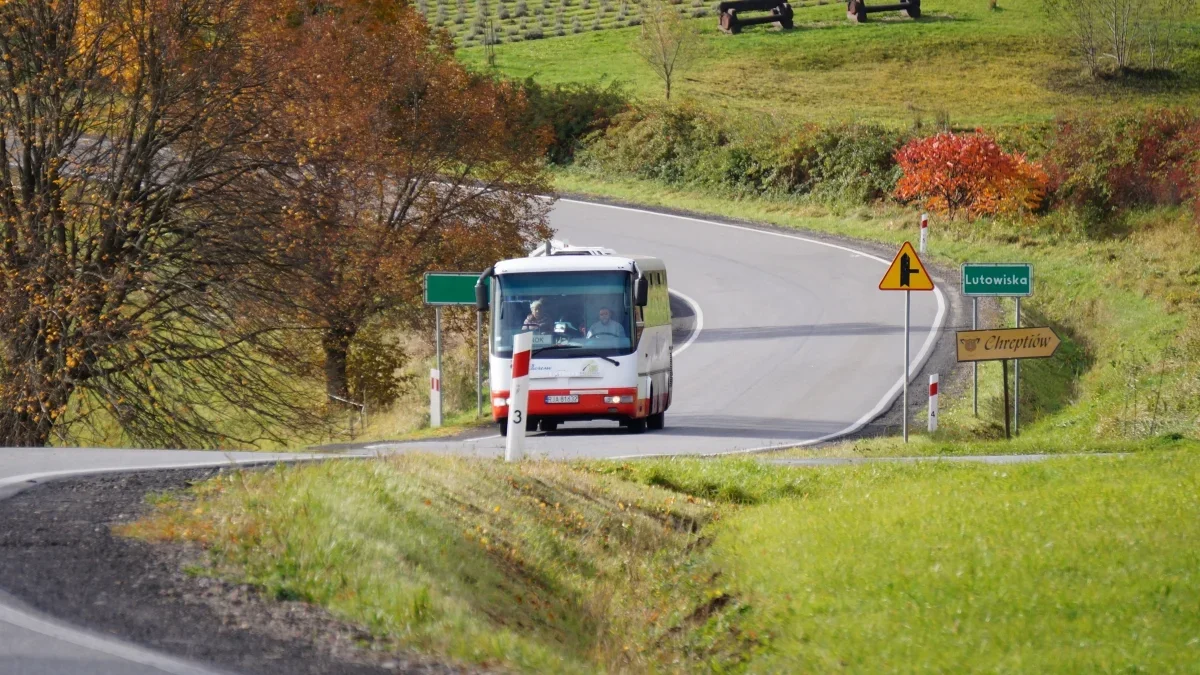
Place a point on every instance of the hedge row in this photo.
(1103, 164)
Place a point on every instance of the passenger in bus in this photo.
(606, 327)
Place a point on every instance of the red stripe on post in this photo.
(520, 364)
(933, 388)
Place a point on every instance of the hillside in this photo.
(976, 65)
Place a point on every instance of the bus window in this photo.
(571, 311)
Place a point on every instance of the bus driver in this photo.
(606, 326)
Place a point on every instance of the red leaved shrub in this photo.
(970, 174)
(1148, 157)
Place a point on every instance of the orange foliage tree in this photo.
(126, 131)
(389, 159)
(968, 173)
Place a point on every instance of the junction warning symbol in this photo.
(906, 273)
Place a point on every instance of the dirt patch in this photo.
(58, 555)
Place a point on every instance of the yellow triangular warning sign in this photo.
(906, 273)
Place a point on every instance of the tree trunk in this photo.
(336, 342)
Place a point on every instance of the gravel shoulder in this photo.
(60, 557)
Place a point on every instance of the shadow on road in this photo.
(719, 426)
(818, 330)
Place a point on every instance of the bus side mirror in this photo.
(641, 292)
(481, 297)
(483, 289)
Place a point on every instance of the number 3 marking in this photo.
(517, 416)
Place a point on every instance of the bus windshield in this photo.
(576, 313)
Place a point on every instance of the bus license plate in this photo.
(573, 398)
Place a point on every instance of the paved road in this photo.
(797, 342)
(795, 345)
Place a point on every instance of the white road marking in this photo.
(699, 313)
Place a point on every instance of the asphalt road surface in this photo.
(796, 343)
(792, 344)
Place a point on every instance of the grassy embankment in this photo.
(1073, 565)
(979, 67)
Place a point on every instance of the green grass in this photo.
(976, 66)
(537, 566)
(1127, 307)
(1078, 564)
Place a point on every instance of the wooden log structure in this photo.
(857, 10)
(731, 17)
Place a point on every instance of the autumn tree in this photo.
(665, 41)
(126, 184)
(968, 174)
(390, 159)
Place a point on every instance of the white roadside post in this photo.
(518, 398)
(435, 398)
(933, 403)
(924, 230)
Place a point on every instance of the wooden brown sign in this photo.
(1006, 343)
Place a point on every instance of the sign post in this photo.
(478, 364)
(975, 366)
(998, 280)
(906, 273)
(435, 400)
(444, 289)
(1002, 344)
(1017, 377)
(518, 398)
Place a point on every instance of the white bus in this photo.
(601, 325)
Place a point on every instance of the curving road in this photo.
(794, 345)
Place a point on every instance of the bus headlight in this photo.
(499, 402)
(627, 398)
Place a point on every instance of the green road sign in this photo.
(450, 288)
(997, 279)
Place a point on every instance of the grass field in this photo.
(963, 61)
(1080, 564)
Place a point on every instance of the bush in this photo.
(663, 143)
(683, 145)
(851, 163)
(373, 366)
(1109, 163)
(572, 111)
(952, 173)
